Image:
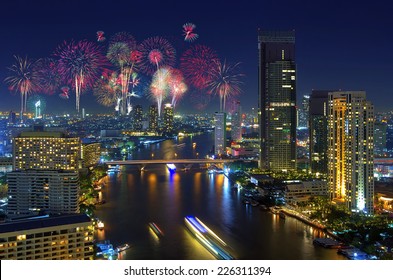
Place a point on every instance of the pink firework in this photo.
(226, 81)
(64, 92)
(100, 36)
(80, 64)
(156, 52)
(49, 78)
(160, 86)
(188, 32)
(197, 64)
(177, 87)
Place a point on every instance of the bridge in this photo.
(165, 161)
(216, 164)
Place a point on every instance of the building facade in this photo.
(299, 191)
(318, 131)
(48, 238)
(153, 118)
(351, 150)
(167, 128)
(277, 99)
(236, 122)
(220, 134)
(138, 118)
(45, 150)
(90, 154)
(32, 192)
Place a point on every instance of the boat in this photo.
(327, 243)
(100, 225)
(254, 203)
(156, 230)
(171, 167)
(208, 238)
(282, 215)
(122, 247)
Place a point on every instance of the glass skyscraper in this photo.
(277, 99)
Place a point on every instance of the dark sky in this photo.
(339, 44)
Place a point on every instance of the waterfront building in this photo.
(138, 118)
(298, 191)
(90, 154)
(318, 130)
(167, 128)
(31, 192)
(351, 150)
(236, 122)
(220, 133)
(277, 99)
(67, 237)
(153, 118)
(40, 149)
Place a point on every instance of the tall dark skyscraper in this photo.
(277, 99)
(318, 130)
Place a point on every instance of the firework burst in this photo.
(49, 78)
(160, 86)
(197, 64)
(156, 52)
(23, 80)
(100, 36)
(226, 81)
(65, 93)
(176, 84)
(80, 63)
(108, 90)
(123, 53)
(188, 32)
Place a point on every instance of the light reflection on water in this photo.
(135, 198)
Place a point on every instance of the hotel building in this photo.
(351, 149)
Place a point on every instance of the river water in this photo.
(135, 198)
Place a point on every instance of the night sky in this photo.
(339, 44)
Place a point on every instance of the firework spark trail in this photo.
(65, 92)
(188, 32)
(177, 87)
(80, 63)
(160, 86)
(100, 36)
(197, 64)
(108, 90)
(23, 80)
(123, 53)
(225, 81)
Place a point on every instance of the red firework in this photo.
(48, 77)
(197, 64)
(156, 52)
(80, 64)
(100, 36)
(124, 37)
(188, 32)
(64, 92)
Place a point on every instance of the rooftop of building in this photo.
(43, 222)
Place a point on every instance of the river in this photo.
(135, 198)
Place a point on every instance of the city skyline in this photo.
(338, 45)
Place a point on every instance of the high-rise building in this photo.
(351, 150)
(67, 237)
(304, 111)
(32, 192)
(220, 135)
(45, 150)
(380, 129)
(236, 122)
(90, 154)
(318, 131)
(277, 99)
(167, 128)
(138, 118)
(12, 118)
(153, 118)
